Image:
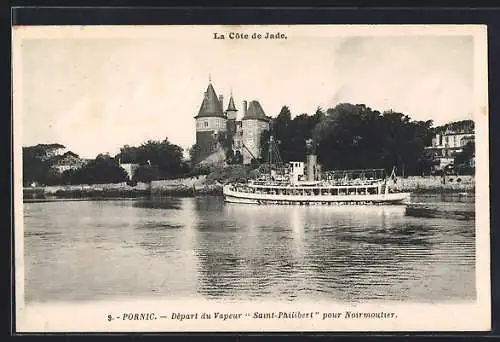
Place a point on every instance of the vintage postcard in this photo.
(251, 178)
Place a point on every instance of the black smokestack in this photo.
(310, 147)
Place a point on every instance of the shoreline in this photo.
(203, 185)
(39, 194)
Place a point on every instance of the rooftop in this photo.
(255, 112)
(231, 107)
(210, 106)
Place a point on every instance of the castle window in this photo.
(206, 124)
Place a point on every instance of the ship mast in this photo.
(270, 149)
(274, 155)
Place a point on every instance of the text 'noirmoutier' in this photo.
(223, 316)
(248, 36)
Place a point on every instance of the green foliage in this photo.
(464, 126)
(291, 135)
(34, 169)
(157, 160)
(37, 165)
(101, 170)
(224, 140)
(193, 153)
(231, 173)
(356, 137)
(352, 136)
(44, 151)
(146, 174)
(165, 156)
(199, 170)
(468, 152)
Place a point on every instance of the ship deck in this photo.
(232, 195)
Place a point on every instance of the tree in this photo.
(464, 126)
(290, 135)
(37, 164)
(101, 170)
(193, 153)
(146, 174)
(166, 156)
(33, 166)
(355, 137)
(463, 158)
(128, 154)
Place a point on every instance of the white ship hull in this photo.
(232, 196)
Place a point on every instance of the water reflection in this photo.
(444, 197)
(201, 246)
(158, 203)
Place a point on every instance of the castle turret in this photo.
(210, 124)
(244, 108)
(231, 111)
(221, 100)
(254, 123)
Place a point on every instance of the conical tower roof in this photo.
(255, 112)
(210, 106)
(231, 107)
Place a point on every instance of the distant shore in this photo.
(435, 184)
(209, 185)
(188, 187)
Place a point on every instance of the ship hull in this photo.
(231, 196)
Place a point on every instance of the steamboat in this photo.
(299, 183)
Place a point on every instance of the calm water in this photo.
(185, 247)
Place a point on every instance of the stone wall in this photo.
(171, 183)
(184, 187)
(118, 186)
(434, 183)
(252, 130)
(211, 124)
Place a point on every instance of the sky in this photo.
(94, 95)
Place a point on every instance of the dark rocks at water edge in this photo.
(186, 191)
(41, 193)
(212, 184)
(178, 187)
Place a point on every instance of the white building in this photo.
(68, 161)
(130, 168)
(447, 145)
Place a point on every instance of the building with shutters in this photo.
(447, 145)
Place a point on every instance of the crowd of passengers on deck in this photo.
(325, 182)
(305, 191)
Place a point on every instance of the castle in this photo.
(231, 133)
